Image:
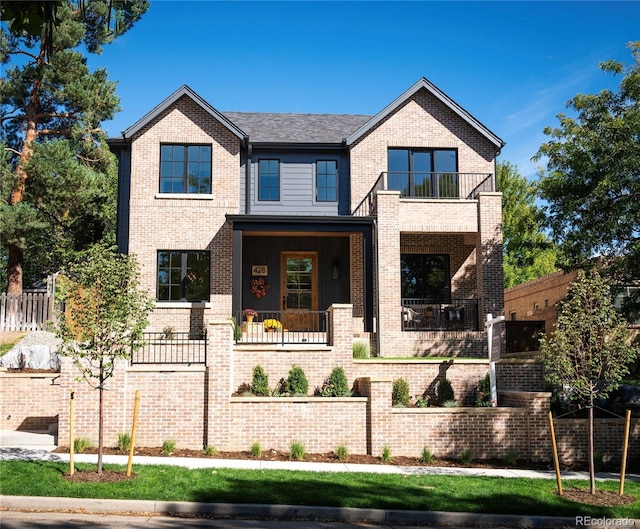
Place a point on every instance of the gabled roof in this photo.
(263, 127)
(424, 84)
(184, 90)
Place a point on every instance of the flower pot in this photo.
(250, 318)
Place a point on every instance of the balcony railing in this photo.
(422, 315)
(171, 348)
(283, 327)
(426, 185)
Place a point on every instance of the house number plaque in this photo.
(259, 270)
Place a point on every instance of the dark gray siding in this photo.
(297, 185)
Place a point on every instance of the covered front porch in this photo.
(287, 272)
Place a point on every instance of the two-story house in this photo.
(396, 214)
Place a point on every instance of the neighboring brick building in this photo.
(396, 214)
(537, 300)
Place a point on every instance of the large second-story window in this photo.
(425, 278)
(183, 275)
(423, 172)
(326, 181)
(269, 180)
(185, 169)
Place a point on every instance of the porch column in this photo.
(389, 324)
(489, 255)
(236, 279)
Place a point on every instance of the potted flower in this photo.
(249, 314)
(271, 325)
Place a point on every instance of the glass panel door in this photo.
(300, 289)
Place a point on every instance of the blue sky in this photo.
(512, 65)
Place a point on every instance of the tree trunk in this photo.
(100, 421)
(16, 253)
(592, 473)
(14, 269)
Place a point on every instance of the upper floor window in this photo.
(423, 172)
(425, 277)
(185, 169)
(183, 275)
(269, 180)
(326, 181)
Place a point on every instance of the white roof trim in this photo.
(423, 83)
(184, 90)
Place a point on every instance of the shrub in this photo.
(296, 450)
(444, 391)
(260, 382)
(510, 458)
(422, 401)
(400, 392)
(336, 385)
(386, 454)
(256, 450)
(124, 441)
(168, 447)
(342, 453)
(210, 450)
(82, 444)
(449, 404)
(466, 457)
(427, 456)
(360, 350)
(484, 392)
(296, 384)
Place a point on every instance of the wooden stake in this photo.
(555, 454)
(133, 431)
(72, 410)
(625, 446)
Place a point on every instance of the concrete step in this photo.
(22, 439)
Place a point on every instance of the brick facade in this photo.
(537, 299)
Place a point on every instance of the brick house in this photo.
(396, 214)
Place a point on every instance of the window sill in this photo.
(183, 196)
(183, 304)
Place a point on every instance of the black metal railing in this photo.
(171, 348)
(283, 327)
(423, 315)
(426, 185)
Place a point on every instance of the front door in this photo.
(300, 290)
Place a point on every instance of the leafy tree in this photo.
(528, 252)
(106, 314)
(59, 177)
(589, 350)
(591, 182)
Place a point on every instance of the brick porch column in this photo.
(218, 380)
(489, 256)
(389, 325)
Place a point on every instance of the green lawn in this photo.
(429, 493)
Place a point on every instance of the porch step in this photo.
(20, 439)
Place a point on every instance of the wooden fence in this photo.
(26, 312)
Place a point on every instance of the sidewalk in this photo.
(39, 452)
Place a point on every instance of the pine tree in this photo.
(57, 176)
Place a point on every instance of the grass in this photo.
(532, 497)
(8, 340)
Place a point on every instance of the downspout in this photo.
(376, 313)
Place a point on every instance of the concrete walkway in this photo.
(30, 446)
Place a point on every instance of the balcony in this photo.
(427, 186)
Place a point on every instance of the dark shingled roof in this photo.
(263, 127)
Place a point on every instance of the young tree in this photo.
(528, 252)
(106, 314)
(51, 107)
(589, 350)
(591, 181)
